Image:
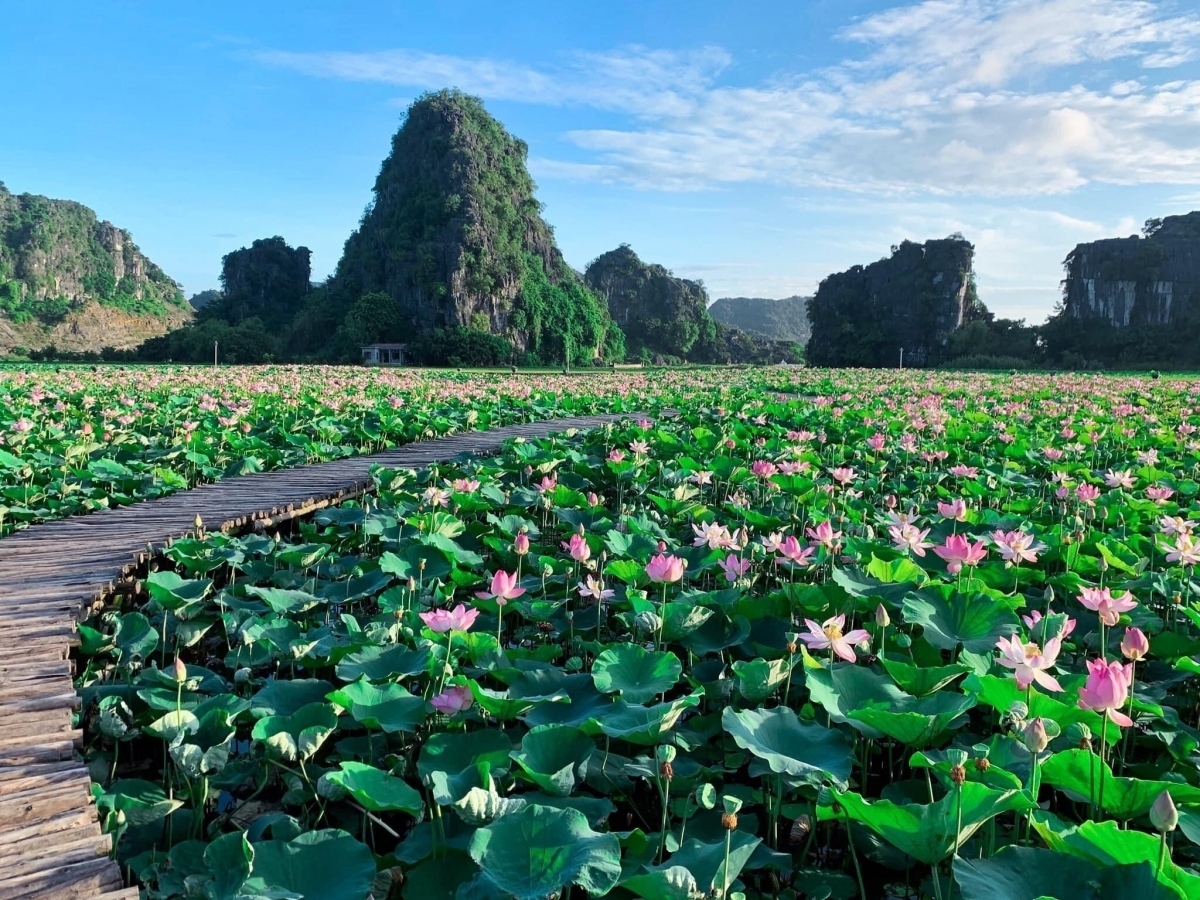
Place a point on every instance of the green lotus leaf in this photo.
(555, 757)
(135, 637)
(317, 865)
(229, 859)
(929, 832)
(375, 789)
(790, 747)
(917, 722)
(451, 762)
(976, 621)
(382, 663)
(284, 603)
(172, 592)
(141, 801)
(1107, 844)
(644, 725)
(1002, 693)
(282, 697)
(636, 673)
(1031, 873)
(845, 688)
(536, 852)
(705, 862)
(302, 556)
(386, 707)
(299, 735)
(758, 679)
(1084, 776)
(922, 680)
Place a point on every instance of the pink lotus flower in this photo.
(1135, 645)
(664, 569)
(910, 538)
(1124, 479)
(1159, 494)
(1029, 661)
(792, 551)
(435, 496)
(616, 455)
(701, 478)
(639, 448)
(440, 621)
(578, 547)
(1101, 600)
(1184, 551)
(828, 635)
(843, 475)
(763, 468)
(959, 552)
(824, 534)
(504, 588)
(1053, 454)
(962, 471)
(715, 536)
(1173, 525)
(453, 700)
(1017, 547)
(772, 541)
(465, 485)
(1107, 690)
(1087, 494)
(547, 484)
(1034, 617)
(594, 588)
(876, 442)
(955, 510)
(734, 568)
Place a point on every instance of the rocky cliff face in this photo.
(779, 320)
(910, 301)
(667, 317)
(455, 236)
(1150, 280)
(68, 278)
(656, 310)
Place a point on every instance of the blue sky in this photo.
(757, 145)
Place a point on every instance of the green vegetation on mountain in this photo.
(56, 257)
(777, 320)
(455, 237)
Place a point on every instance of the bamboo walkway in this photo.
(52, 575)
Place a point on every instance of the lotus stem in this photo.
(862, 890)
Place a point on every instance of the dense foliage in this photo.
(777, 320)
(914, 636)
(78, 439)
(55, 255)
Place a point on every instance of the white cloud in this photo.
(947, 96)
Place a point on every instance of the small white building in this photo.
(384, 354)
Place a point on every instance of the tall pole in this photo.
(902, 357)
(214, 354)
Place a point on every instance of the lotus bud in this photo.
(903, 641)
(882, 619)
(593, 498)
(1163, 814)
(528, 470)
(1036, 739)
(180, 671)
(547, 570)
(1135, 644)
(199, 523)
(521, 544)
(662, 546)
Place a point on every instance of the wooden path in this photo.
(52, 575)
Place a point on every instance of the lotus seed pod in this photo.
(1163, 814)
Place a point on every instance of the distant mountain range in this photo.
(777, 320)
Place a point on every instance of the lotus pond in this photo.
(916, 637)
(78, 438)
